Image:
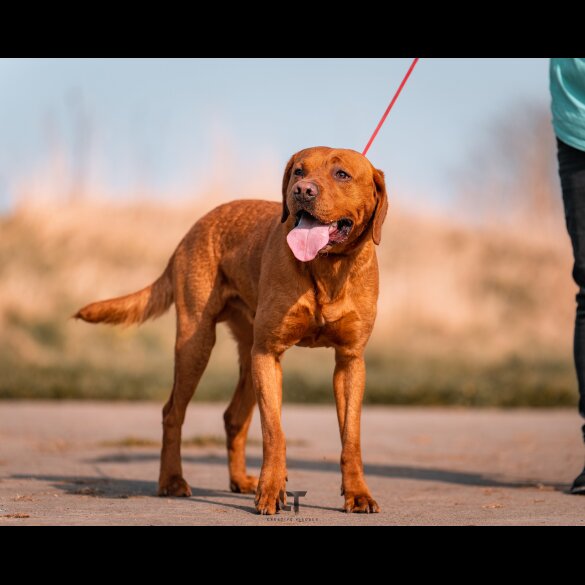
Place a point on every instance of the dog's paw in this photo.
(270, 496)
(361, 504)
(175, 486)
(245, 484)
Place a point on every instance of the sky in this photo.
(176, 126)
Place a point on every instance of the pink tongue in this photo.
(308, 238)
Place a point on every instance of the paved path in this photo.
(71, 463)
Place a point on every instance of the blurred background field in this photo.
(476, 303)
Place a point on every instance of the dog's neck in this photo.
(331, 273)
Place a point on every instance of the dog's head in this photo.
(330, 198)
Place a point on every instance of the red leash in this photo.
(383, 119)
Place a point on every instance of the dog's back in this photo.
(228, 241)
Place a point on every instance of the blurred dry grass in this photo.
(474, 312)
(467, 315)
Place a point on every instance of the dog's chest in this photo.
(323, 323)
(325, 314)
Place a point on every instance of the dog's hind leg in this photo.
(238, 415)
(195, 340)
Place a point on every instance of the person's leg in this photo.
(572, 175)
(579, 350)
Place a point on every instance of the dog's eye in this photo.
(342, 175)
(298, 172)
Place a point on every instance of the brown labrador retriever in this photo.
(301, 273)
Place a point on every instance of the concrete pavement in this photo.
(79, 463)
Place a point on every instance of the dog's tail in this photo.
(148, 303)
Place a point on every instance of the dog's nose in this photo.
(305, 191)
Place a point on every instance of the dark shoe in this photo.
(579, 484)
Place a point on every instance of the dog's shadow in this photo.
(115, 488)
(468, 478)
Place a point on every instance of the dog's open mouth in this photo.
(310, 236)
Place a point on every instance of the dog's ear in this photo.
(285, 181)
(381, 205)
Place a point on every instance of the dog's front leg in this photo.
(267, 376)
(349, 383)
